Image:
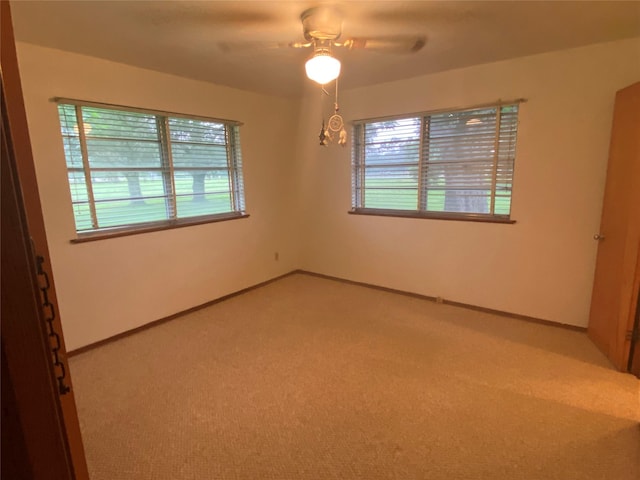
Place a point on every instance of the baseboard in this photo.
(516, 316)
(155, 323)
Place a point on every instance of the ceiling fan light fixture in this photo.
(322, 67)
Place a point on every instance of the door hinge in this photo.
(50, 315)
(633, 335)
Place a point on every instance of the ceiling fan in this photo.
(322, 29)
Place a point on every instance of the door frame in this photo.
(34, 413)
(22, 344)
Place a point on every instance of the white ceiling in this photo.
(181, 37)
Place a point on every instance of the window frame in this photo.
(358, 166)
(167, 167)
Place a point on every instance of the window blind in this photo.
(128, 169)
(457, 163)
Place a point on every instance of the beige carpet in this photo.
(308, 378)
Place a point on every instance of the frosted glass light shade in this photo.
(322, 68)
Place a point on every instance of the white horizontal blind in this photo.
(236, 178)
(457, 163)
(129, 168)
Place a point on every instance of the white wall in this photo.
(298, 193)
(110, 286)
(543, 265)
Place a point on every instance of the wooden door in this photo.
(20, 344)
(614, 298)
(34, 445)
(634, 355)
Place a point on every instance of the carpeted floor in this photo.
(308, 378)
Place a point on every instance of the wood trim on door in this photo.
(33, 412)
(27, 187)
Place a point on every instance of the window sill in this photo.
(154, 227)
(470, 217)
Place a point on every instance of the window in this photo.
(456, 164)
(130, 169)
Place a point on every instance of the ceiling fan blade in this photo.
(232, 47)
(396, 44)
